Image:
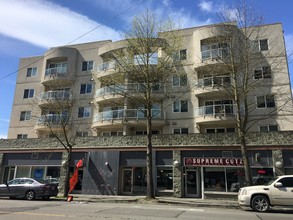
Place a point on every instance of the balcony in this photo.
(107, 68)
(61, 98)
(51, 122)
(118, 91)
(216, 114)
(57, 74)
(127, 116)
(212, 84)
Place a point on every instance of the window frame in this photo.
(21, 136)
(87, 65)
(86, 112)
(31, 72)
(180, 106)
(25, 116)
(180, 131)
(28, 93)
(181, 80)
(264, 74)
(85, 87)
(266, 101)
(268, 128)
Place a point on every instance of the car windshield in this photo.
(271, 181)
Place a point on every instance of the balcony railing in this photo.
(56, 72)
(219, 53)
(107, 66)
(214, 110)
(127, 114)
(214, 81)
(52, 119)
(55, 96)
(130, 87)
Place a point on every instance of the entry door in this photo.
(127, 177)
(192, 183)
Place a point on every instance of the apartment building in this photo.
(74, 86)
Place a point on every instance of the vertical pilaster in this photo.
(1, 166)
(278, 162)
(177, 174)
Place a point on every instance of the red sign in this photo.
(212, 161)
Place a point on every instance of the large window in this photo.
(179, 80)
(214, 51)
(86, 88)
(268, 128)
(28, 93)
(220, 130)
(180, 106)
(180, 130)
(87, 65)
(112, 133)
(31, 72)
(164, 178)
(84, 112)
(265, 101)
(25, 115)
(263, 73)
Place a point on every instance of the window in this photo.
(214, 51)
(180, 106)
(180, 55)
(220, 130)
(86, 88)
(82, 134)
(287, 182)
(25, 115)
(22, 136)
(180, 131)
(263, 73)
(265, 101)
(28, 93)
(87, 65)
(260, 45)
(268, 128)
(179, 80)
(146, 59)
(31, 72)
(84, 112)
(112, 133)
(144, 132)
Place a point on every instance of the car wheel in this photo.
(260, 203)
(30, 195)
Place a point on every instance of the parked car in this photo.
(258, 180)
(277, 192)
(28, 188)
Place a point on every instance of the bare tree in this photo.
(146, 61)
(251, 54)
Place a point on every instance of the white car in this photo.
(277, 192)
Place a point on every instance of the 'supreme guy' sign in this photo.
(212, 161)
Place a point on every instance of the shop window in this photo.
(235, 179)
(23, 172)
(164, 178)
(214, 179)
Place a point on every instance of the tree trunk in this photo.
(247, 170)
(67, 174)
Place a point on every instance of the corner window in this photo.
(22, 136)
(25, 115)
(28, 93)
(180, 106)
(265, 101)
(268, 128)
(180, 131)
(31, 72)
(263, 73)
(87, 65)
(84, 112)
(86, 88)
(179, 80)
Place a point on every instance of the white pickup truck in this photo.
(277, 192)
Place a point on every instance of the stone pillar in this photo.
(1, 166)
(62, 173)
(177, 174)
(278, 162)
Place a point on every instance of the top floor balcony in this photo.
(55, 97)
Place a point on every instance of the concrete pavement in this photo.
(194, 202)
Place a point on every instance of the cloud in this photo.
(206, 6)
(166, 3)
(3, 136)
(46, 24)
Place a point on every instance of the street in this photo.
(57, 210)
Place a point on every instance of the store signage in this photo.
(212, 161)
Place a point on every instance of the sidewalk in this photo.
(194, 202)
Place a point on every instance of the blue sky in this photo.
(30, 27)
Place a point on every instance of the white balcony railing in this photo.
(56, 72)
(216, 110)
(214, 81)
(52, 119)
(127, 114)
(218, 53)
(55, 96)
(130, 87)
(107, 66)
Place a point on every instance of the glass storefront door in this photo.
(192, 183)
(127, 181)
(134, 180)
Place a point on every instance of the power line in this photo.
(98, 26)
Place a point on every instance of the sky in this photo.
(30, 27)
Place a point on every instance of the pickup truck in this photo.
(277, 192)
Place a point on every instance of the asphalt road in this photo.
(57, 210)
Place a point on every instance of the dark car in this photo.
(28, 188)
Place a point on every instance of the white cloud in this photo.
(45, 24)
(206, 6)
(3, 136)
(166, 3)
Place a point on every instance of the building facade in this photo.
(70, 86)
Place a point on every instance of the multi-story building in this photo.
(66, 85)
